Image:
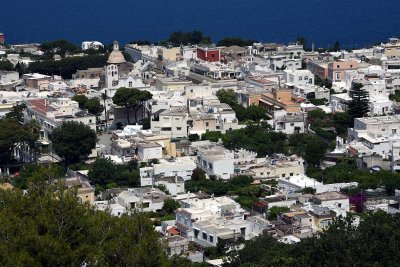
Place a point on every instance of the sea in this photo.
(354, 23)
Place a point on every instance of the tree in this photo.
(275, 211)
(336, 47)
(194, 137)
(198, 174)
(81, 99)
(68, 66)
(213, 136)
(6, 65)
(50, 227)
(184, 38)
(308, 146)
(230, 41)
(12, 134)
(21, 68)
(170, 205)
(132, 99)
(255, 137)
(102, 171)
(359, 105)
(61, 47)
(94, 107)
(316, 114)
(227, 96)
(73, 141)
(256, 113)
(301, 40)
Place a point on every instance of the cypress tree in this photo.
(359, 105)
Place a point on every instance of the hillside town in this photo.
(216, 144)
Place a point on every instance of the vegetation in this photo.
(131, 99)
(213, 136)
(198, 175)
(240, 186)
(275, 211)
(318, 102)
(179, 38)
(6, 65)
(50, 227)
(14, 133)
(359, 105)
(322, 82)
(308, 146)
(66, 67)
(255, 137)
(60, 47)
(252, 113)
(341, 245)
(194, 137)
(346, 170)
(81, 99)
(104, 172)
(336, 47)
(170, 205)
(94, 107)
(31, 173)
(395, 96)
(229, 41)
(73, 141)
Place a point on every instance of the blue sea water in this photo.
(351, 22)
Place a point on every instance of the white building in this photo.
(332, 199)
(298, 78)
(8, 80)
(171, 123)
(216, 161)
(181, 167)
(91, 45)
(142, 199)
(149, 150)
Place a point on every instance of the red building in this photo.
(1, 38)
(209, 54)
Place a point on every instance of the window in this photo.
(130, 84)
(283, 175)
(178, 128)
(204, 236)
(211, 239)
(207, 124)
(196, 233)
(338, 66)
(291, 174)
(351, 66)
(292, 124)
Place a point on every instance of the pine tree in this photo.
(359, 105)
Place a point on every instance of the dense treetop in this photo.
(49, 227)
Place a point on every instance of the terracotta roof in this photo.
(39, 105)
(173, 231)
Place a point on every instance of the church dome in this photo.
(116, 56)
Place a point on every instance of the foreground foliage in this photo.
(49, 227)
(373, 243)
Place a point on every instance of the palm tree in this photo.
(105, 97)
